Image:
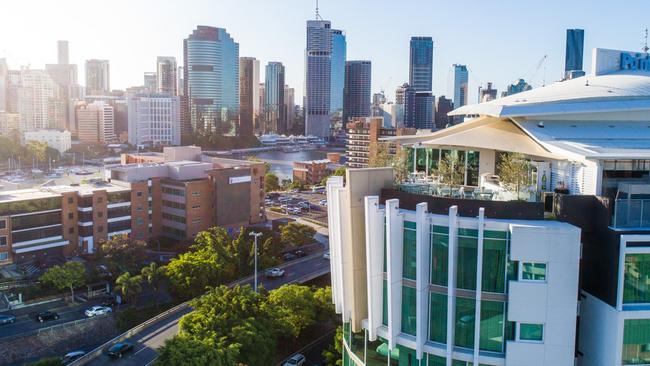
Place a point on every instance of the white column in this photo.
(422, 248)
(395, 236)
(334, 184)
(374, 221)
(479, 283)
(451, 281)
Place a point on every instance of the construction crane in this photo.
(645, 44)
(541, 62)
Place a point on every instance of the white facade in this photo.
(154, 119)
(56, 139)
(95, 122)
(36, 99)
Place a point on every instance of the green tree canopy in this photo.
(451, 170)
(294, 307)
(123, 252)
(514, 171)
(188, 351)
(68, 276)
(271, 182)
(296, 234)
(129, 286)
(154, 275)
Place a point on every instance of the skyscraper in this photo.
(39, 101)
(211, 68)
(166, 75)
(421, 63)
(98, 77)
(154, 119)
(461, 78)
(274, 104)
(64, 75)
(63, 57)
(339, 49)
(318, 77)
(356, 94)
(521, 86)
(575, 41)
(406, 94)
(424, 113)
(290, 106)
(486, 94)
(249, 94)
(151, 81)
(4, 79)
(443, 106)
(95, 122)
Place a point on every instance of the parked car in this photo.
(322, 202)
(274, 272)
(288, 257)
(295, 360)
(299, 253)
(7, 319)
(119, 349)
(268, 202)
(326, 255)
(284, 199)
(304, 204)
(71, 356)
(46, 315)
(97, 310)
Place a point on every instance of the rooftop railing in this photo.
(632, 214)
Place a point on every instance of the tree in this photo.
(154, 275)
(68, 276)
(296, 234)
(186, 351)
(49, 361)
(129, 286)
(334, 354)
(324, 305)
(381, 156)
(338, 172)
(451, 170)
(294, 307)
(271, 182)
(514, 171)
(123, 252)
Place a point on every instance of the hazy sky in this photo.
(499, 40)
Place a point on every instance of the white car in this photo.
(98, 310)
(274, 272)
(295, 360)
(326, 255)
(322, 202)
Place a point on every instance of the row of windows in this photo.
(32, 221)
(171, 204)
(22, 207)
(118, 197)
(170, 217)
(173, 191)
(35, 234)
(174, 232)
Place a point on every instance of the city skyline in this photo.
(284, 38)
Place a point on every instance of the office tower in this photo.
(486, 94)
(38, 101)
(12, 90)
(356, 95)
(9, 124)
(443, 106)
(461, 78)
(180, 84)
(424, 114)
(407, 95)
(290, 106)
(318, 77)
(378, 99)
(63, 55)
(154, 119)
(519, 87)
(121, 113)
(98, 75)
(4, 76)
(95, 122)
(274, 104)
(167, 79)
(421, 63)
(575, 41)
(211, 77)
(339, 50)
(150, 81)
(249, 94)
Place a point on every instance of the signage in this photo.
(638, 61)
(242, 179)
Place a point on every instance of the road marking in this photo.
(138, 351)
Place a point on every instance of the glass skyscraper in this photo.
(461, 79)
(339, 50)
(275, 120)
(356, 100)
(421, 63)
(575, 41)
(318, 77)
(211, 82)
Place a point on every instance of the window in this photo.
(408, 310)
(533, 271)
(3, 224)
(3, 241)
(495, 258)
(531, 332)
(196, 194)
(636, 288)
(467, 255)
(409, 256)
(70, 200)
(636, 338)
(492, 318)
(465, 319)
(4, 256)
(438, 318)
(139, 221)
(70, 215)
(439, 255)
(140, 208)
(196, 221)
(71, 230)
(196, 207)
(138, 193)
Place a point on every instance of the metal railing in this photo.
(631, 214)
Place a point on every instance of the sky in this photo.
(499, 40)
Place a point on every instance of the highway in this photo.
(154, 336)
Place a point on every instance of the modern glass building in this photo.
(421, 63)
(424, 113)
(339, 49)
(575, 42)
(318, 78)
(249, 94)
(356, 101)
(461, 79)
(211, 81)
(275, 114)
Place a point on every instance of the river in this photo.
(282, 162)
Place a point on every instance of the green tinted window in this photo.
(384, 305)
(494, 265)
(637, 279)
(438, 318)
(409, 256)
(465, 316)
(636, 342)
(409, 159)
(408, 310)
(533, 271)
(436, 361)
(439, 255)
(531, 332)
(466, 269)
(21, 207)
(492, 318)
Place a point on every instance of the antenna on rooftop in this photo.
(645, 45)
(318, 17)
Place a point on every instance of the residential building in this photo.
(98, 77)
(443, 107)
(9, 124)
(575, 42)
(211, 82)
(519, 87)
(421, 63)
(249, 99)
(150, 81)
(60, 140)
(363, 136)
(64, 76)
(166, 77)
(39, 101)
(180, 84)
(310, 172)
(339, 56)
(486, 94)
(461, 78)
(275, 114)
(318, 78)
(95, 122)
(356, 94)
(4, 75)
(154, 120)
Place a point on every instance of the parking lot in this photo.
(308, 205)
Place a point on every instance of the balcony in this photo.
(631, 214)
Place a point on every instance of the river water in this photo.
(282, 162)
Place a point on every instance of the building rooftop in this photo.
(57, 191)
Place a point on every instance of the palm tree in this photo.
(154, 275)
(129, 286)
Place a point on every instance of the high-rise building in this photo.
(356, 95)
(65, 76)
(290, 106)
(4, 76)
(424, 113)
(318, 78)
(521, 86)
(259, 121)
(378, 99)
(211, 78)
(461, 79)
(275, 120)
(406, 94)
(249, 94)
(98, 77)
(167, 79)
(180, 84)
(154, 119)
(95, 122)
(150, 81)
(63, 54)
(421, 63)
(339, 50)
(443, 106)
(486, 94)
(362, 139)
(38, 101)
(575, 42)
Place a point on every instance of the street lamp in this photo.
(256, 235)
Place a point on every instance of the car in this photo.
(274, 272)
(303, 204)
(295, 360)
(109, 302)
(119, 349)
(326, 255)
(288, 257)
(98, 310)
(7, 319)
(322, 202)
(47, 315)
(284, 199)
(299, 253)
(268, 202)
(71, 356)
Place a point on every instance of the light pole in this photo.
(256, 235)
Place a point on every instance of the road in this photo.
(154, 336)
